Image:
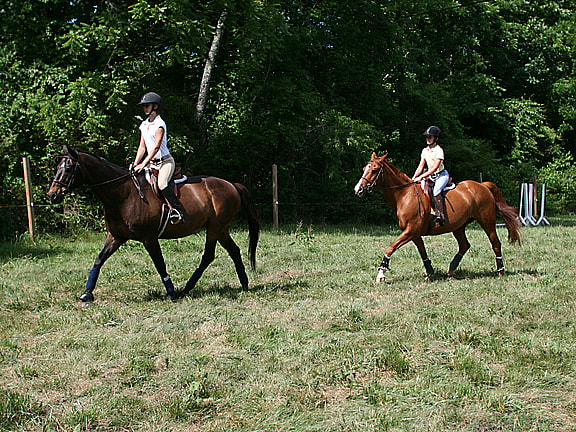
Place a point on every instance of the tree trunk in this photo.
(205, 84)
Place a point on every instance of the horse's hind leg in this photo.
(111, 245)
(155, 252)
(490, 230)
(207, 258)
(463, 246)
(424, 255)
(234, 251)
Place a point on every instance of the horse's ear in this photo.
(71, 152)
(385, 154)
(374, 155)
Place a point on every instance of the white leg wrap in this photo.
(381, 277)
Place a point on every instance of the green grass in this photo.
(314, 345)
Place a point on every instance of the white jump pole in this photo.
(542, 201)
(521, 210)
(530, 204)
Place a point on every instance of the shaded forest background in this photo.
(312, 86)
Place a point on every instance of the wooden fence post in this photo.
(275, 195)
(29, 198)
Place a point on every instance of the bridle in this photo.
(373, 184)
(67, 186)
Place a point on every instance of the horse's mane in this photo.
(396, 171)
(101, 159)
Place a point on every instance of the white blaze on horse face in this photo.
(364, 173)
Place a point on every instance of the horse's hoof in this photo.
(87, 297)
(171, 297)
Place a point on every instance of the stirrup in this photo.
(439, 219)
(175, 216)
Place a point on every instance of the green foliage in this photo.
(314, 87)
(560, 177)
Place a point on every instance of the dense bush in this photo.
(313, 87)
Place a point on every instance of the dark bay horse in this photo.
(469, 201)
(134, 212)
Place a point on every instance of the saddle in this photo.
(428, 191)
(177, 178)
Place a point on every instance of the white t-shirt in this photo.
(148, 130)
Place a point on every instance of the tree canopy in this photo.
(313, 87)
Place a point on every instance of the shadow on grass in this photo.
(486, 274)
(226, 291)
(10, 251)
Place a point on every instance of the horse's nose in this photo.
(54, 197)
(360, 191)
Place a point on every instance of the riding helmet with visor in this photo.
(433, 131)
(151, 98)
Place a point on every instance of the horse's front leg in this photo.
(424, 255)
(404, 238)
(155, 252)
(111, 245)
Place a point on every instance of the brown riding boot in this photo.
(440, 210)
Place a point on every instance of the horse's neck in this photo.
(103, 176)
(392, 177)
(394, 184)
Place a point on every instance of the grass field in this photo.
(314, 345)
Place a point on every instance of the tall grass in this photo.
(313, 345)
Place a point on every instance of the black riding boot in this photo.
(440, 210)
(176, 213)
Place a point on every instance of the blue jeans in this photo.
(440, 181)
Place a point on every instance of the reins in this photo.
(373, 185)
(76, 169)
(108, 181)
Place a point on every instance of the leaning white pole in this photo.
(29, 200)
(542, 202)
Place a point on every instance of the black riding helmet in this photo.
(151, 98)
(433, 131)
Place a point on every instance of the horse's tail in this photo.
(249, 208)
(509, 213)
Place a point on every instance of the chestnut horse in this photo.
(469, 201)
(133, 211)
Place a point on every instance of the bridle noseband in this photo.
(66, 186)
(370, 186)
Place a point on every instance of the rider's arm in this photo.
(431, 171)
(419, 169)
(150, 155)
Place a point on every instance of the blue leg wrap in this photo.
(168, 284)
(92, 278)
(428, 267)
(456, 261)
